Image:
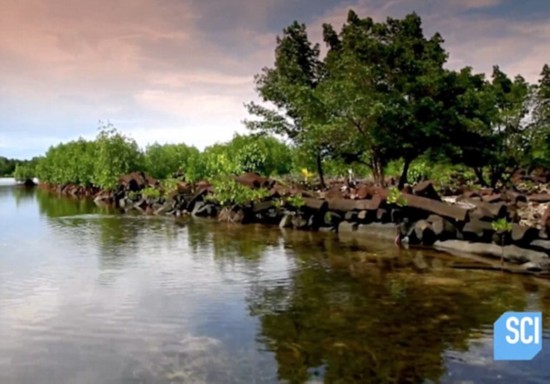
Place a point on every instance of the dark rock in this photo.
(350, 216)
(442, 228)
(163, 209)
(29, 183)
(407, 189)
(203, 209)
(136, 181)
(299, 221)
(103, 199)
(424, 233)
(496, 198)
(540, 198)
(315, 204)
(522, 235)
(377, 230)
(531, 266)
(477, 230)
(540, 245)
(472, 195)
(334, 193)
(436, 207)
(363, 192)
(514, 197)
(511, 253)
(286, 221)
(489, 212)
(487, 192)
(332, 218)
(375, 203)
(254, 180)
(262, 206)
(383, 215)
(346, 226)
(199, 196)
(427, 190)
(345, 205)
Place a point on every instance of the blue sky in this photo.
(180, 70)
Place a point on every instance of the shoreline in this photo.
(417, 216)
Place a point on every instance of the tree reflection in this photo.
(231, 242)
(356, 322)
(21, 194)
(53, 206)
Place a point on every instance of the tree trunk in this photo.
(378, 171)
(479, 174)
(496, 175)
(320, 169)
(403, 177)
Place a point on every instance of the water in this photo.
(90, 296)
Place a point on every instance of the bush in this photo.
(228, 192)
(164, 161)
(23, 172)
(150, 193)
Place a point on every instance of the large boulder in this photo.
(136, 181)
(436, 207)
(510, 253)
(426, 189)
(477, 230)
(489, 212)
(345, 205)
(254, 180)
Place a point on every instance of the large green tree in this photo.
(541, 120)
(493, 130)
(291, 87)
(384, 83)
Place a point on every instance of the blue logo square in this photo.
(517, 336)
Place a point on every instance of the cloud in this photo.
(189, 64)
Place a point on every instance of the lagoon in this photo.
(91, 296)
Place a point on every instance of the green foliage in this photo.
(150, 193)
(228, 192)
(99, 162)
(169, 186)
(116, 156)
(163, 161)
(501, 225)
(295, 201)
(396, 197)
(251, 153)
(7, 166)
(24, 172)
(72, 162)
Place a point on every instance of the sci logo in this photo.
(517, 336)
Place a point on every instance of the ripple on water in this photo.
(94, 298)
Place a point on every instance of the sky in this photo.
(181, 70)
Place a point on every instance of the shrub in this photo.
(228, 192)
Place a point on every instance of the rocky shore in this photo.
(466, 222)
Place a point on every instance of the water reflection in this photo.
(132, 299)
(52, 206)
(351, 321)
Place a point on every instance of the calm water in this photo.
(94, 297)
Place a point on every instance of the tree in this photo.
(290, 86)
(540, 140)
(116, 156)
(383, 84)
(163, 161)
